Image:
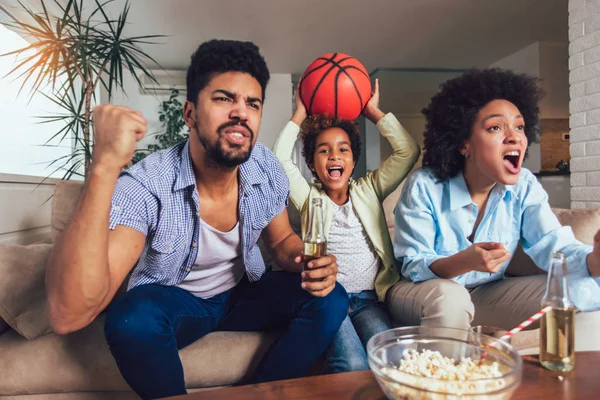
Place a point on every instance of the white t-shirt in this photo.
(219, 265)
(357, 261)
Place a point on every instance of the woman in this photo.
(460, 218)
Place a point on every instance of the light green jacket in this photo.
(366, 194)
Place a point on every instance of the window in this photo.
(23, 140)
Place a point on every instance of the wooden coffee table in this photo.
(537, 383)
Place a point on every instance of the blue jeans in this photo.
(148, 325)
(366, 317)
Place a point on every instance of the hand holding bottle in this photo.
(320, 269)
(319, 275)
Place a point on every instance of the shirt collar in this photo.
(185, 177)
(503, 190)
(250, 171)
(459, 192)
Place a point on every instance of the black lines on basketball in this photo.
(312, 98)
(342, 94)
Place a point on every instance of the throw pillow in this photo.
(22, 288)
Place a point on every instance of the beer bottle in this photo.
(315, 243)
(557, 330)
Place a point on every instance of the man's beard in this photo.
(218, 154)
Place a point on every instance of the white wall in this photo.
(276, 112)
(405, 93)
(524, 61)
(372, 146)
(554, 74)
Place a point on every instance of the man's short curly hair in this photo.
(219, 56)
(311, 127)
(452, 112)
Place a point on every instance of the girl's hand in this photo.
(372, 111)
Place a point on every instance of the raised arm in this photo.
(88, 264)
(284, 145)
(405, 154)
(542, 234)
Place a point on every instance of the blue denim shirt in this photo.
(158, 197)
(434, 220)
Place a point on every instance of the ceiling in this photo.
(380, 33)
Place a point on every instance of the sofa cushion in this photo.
(64, 201)
(583, 222)
(81, 361)
(22, 288)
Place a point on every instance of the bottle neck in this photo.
(557, 290)
(316, 229)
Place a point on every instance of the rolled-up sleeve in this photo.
(543, 234)
(414, 235)
(130, 205)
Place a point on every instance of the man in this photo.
(186, 222)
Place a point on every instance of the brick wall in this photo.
(584, 80)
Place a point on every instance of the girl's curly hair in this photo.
(311, 127)
(452, 112)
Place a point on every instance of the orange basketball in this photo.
(336, 85)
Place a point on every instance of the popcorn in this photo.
(451, 379)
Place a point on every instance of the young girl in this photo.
(355, 224)
(460, 218)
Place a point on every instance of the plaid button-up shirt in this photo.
(158, 197)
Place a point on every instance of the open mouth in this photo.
(236, 137)
(335, 172)
(512, 160)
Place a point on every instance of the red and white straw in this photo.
(519, 328)
(526, 323)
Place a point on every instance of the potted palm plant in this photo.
(73, 51)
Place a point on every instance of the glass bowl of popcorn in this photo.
(437, 363)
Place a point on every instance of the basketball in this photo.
(336, 85)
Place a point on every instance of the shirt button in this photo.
(117, 208)
(188, 269)
(170, 249)
(197, 214)
(471, 220)
(194, 244)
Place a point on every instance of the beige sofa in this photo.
(38, 364)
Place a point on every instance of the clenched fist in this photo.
(116, 130)
(486, 257)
